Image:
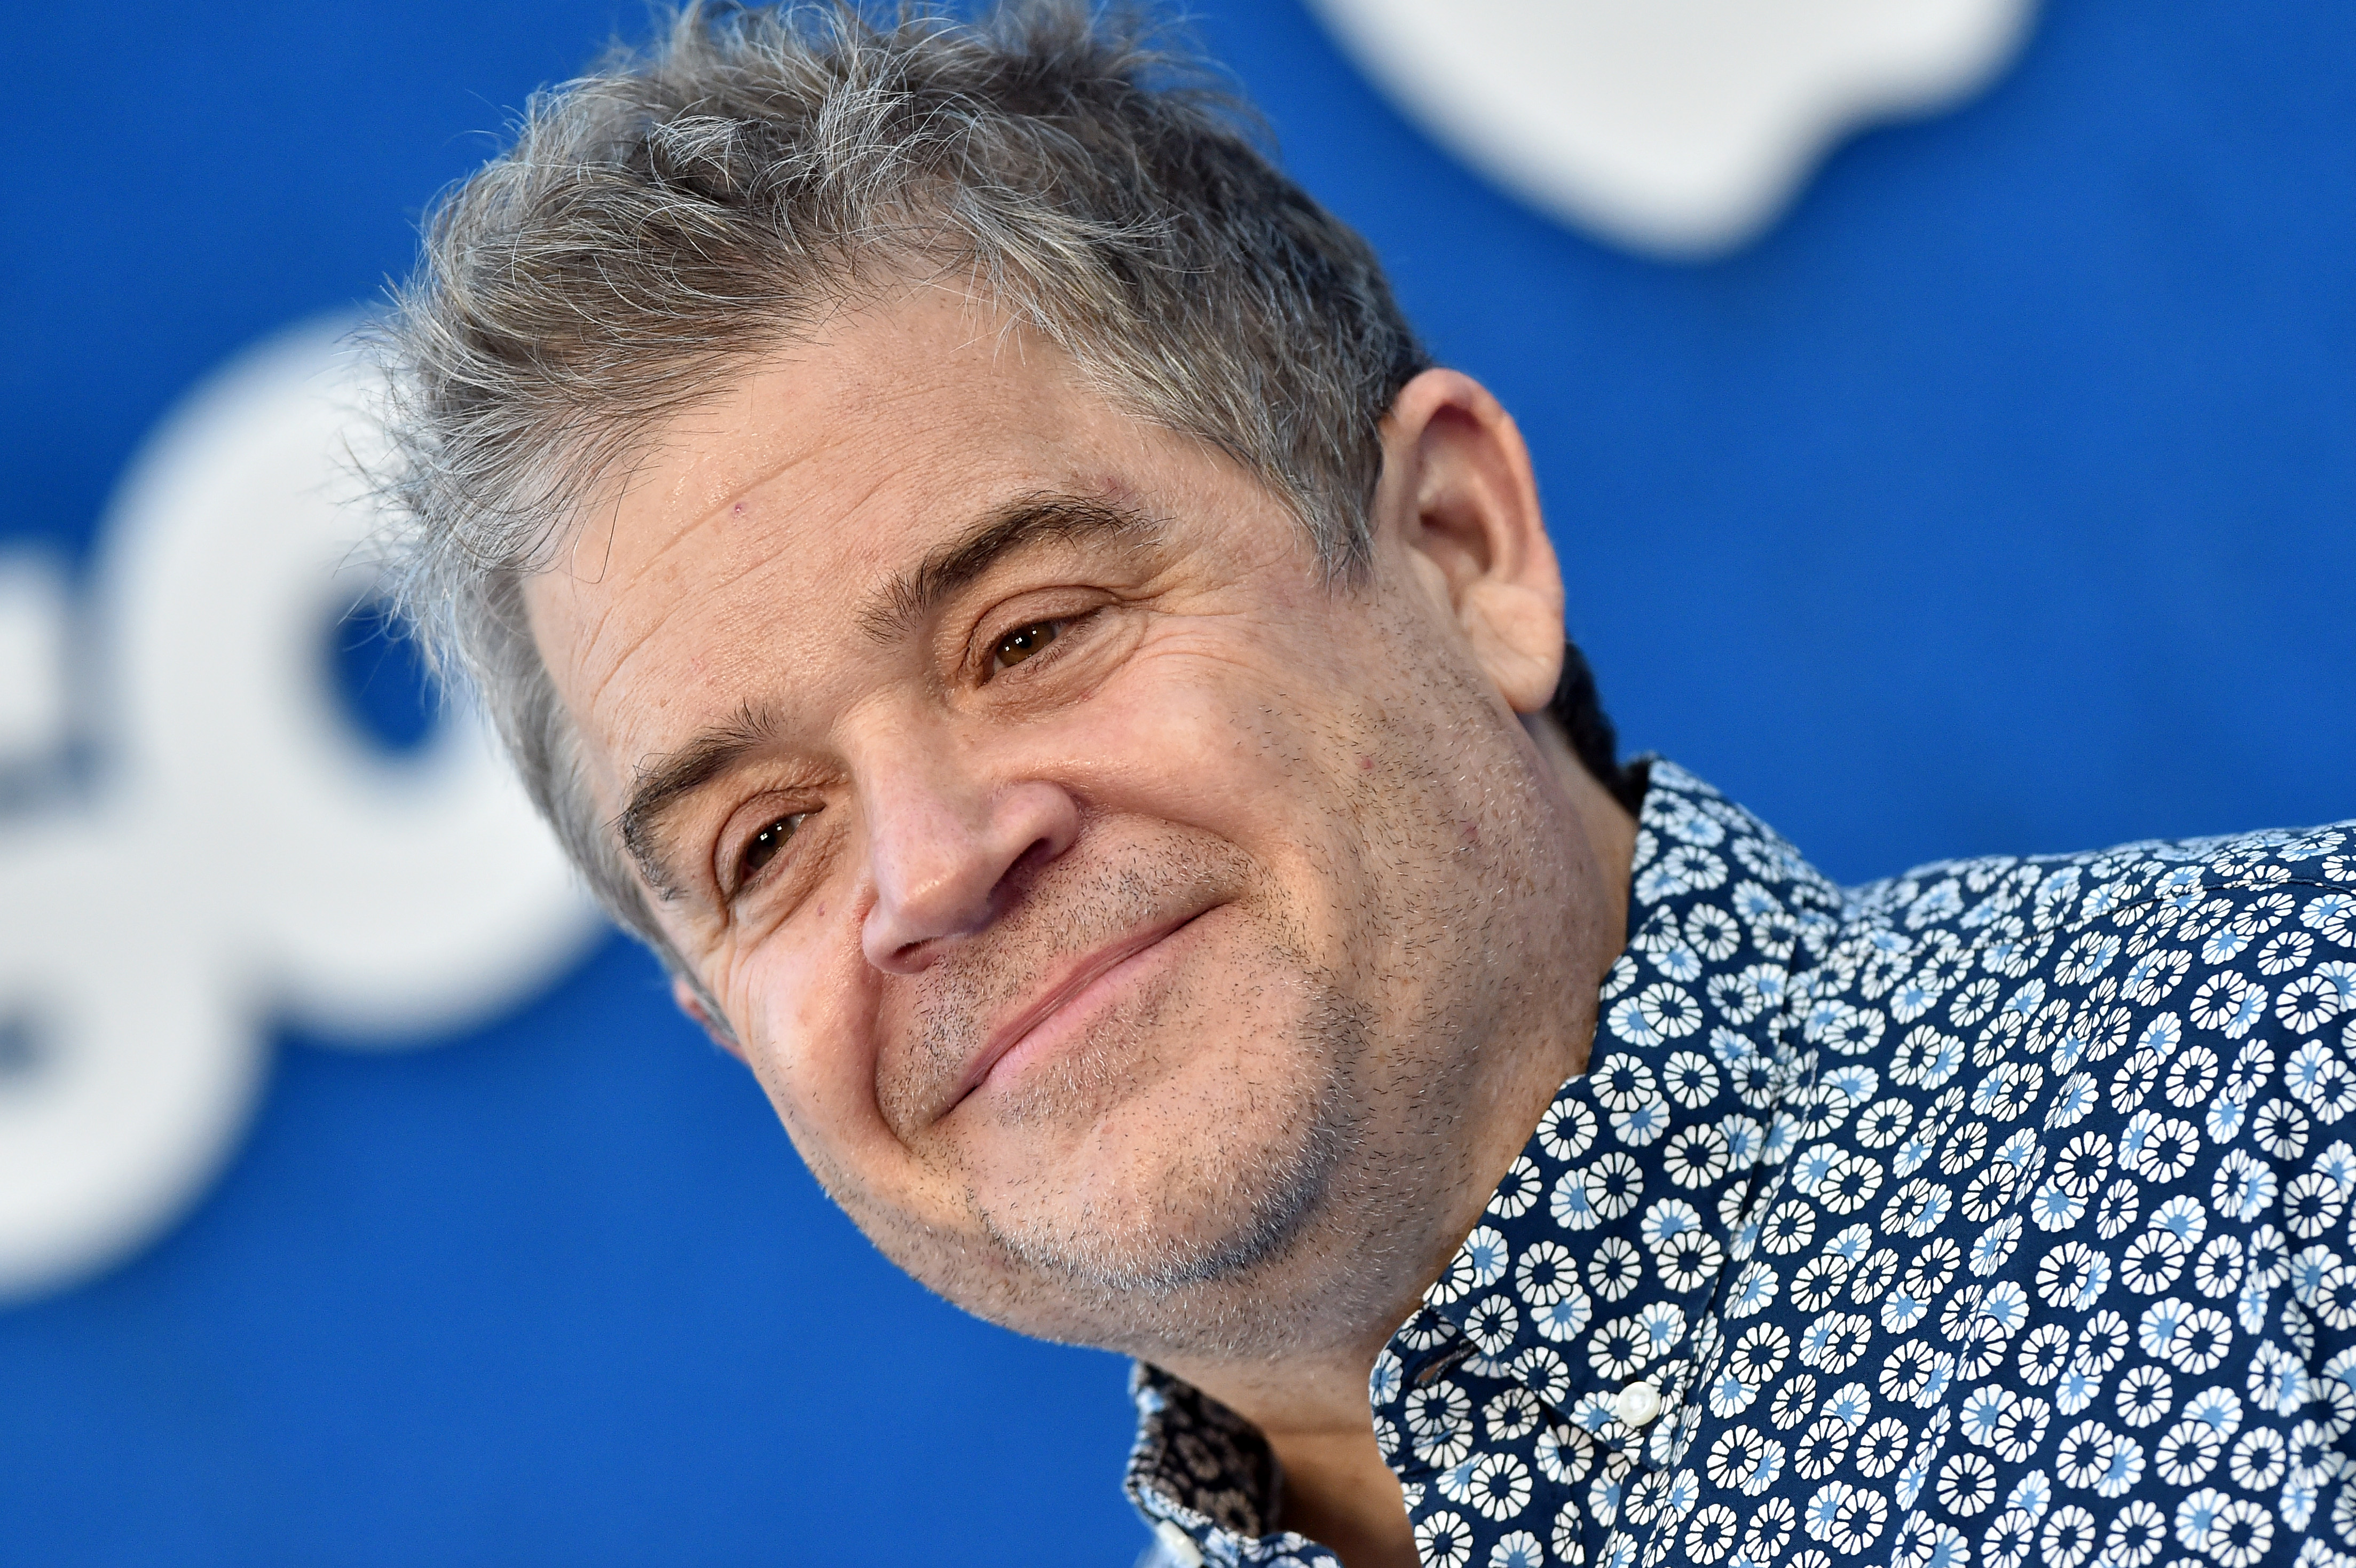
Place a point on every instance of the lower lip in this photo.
(1069, 1020)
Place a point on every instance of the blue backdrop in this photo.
(1998, 499)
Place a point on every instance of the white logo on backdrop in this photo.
(1681, 127)
(240, 854)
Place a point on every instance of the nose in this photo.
(941, 845)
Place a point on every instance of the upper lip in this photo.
(1068, 980)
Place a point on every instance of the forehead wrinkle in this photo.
(726, 429)
(750, 562)
(612, 601)
(751, 558)
(622, 656)
(691, 527)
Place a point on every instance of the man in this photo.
(983, 580)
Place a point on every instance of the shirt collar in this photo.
(1651, 1153)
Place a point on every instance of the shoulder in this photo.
(2102, 1110)
(2012, 910)
(1963, 963)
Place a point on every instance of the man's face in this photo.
(1114, 912)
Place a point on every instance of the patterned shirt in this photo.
(1987, 1216)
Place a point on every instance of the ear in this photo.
(1458, 497)
(692, 1006)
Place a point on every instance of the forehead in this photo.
(795, 491)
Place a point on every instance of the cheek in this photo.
(1214, 727)
(806, 1003)
(1229, 748)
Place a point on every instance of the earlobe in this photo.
(692, 1006)
(1517, 636)
(1458, 495)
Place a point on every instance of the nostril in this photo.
(1031, 862)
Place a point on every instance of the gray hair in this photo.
(665, 220)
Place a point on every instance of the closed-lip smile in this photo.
(1077, 976)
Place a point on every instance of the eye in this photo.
(766, 845)
(1023, 643)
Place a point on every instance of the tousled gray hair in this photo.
(665, 219)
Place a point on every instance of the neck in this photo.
(1336, 1489)
(1312, 1406)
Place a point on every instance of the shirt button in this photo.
(1178, 1546)
(1637, 1405)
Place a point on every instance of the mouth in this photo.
(1081, 982)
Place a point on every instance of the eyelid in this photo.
(1067, 621)
(1054, 625)
(732, 848)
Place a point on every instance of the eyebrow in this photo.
(909, 598)
(904, 603)
(662, 785)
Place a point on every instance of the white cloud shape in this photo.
(245, 855)
(1677, 127)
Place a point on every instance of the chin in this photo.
(1175, 1213)
(1206, 1209)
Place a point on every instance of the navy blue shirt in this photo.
(1988, 1216)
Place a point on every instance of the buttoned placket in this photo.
(1438, 1380)
(1612, 1134)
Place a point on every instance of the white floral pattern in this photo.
(1988, 1214)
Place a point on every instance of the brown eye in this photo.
(767, 843)
(1017, 646)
